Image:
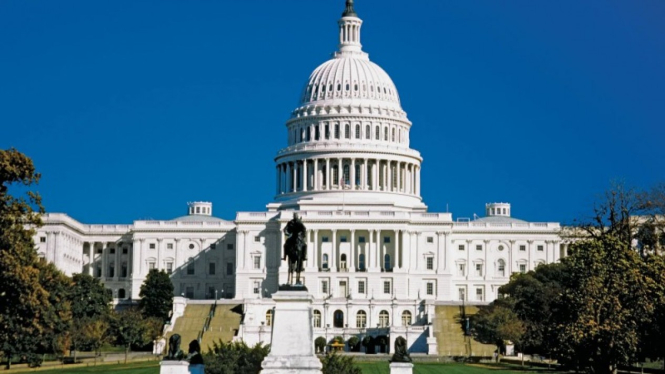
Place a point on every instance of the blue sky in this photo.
(132, 108)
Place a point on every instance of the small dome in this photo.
(349, 76)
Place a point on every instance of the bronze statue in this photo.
(295, 247)
(401, 351)
(174, 348)
(195, 357)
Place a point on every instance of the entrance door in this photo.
(342, 289)
(338, 318)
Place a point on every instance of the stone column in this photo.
(375, 179)
(305, 175)
(352, 260)
(91, 260)
(352, 174)
(333, 255)
(315, 187)
(315, 259)
(117, 266)
(340, 174)
(328, 175)
(104, 263)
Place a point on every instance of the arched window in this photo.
(406, 318)
(302, 134)
(378, 133)
(384, 319)
(337, 131)
(361, 261)
(269, 318)
(358, 132)
(501, 268)
(393, 135)
(317, 318)
(385, 134)
(361, 319)
(346, 175)
(342, 261)
(324, 262)
(338, 318)
(347, 132)
(309, 134)
(335, 175)
(121, 293)
(368, 133)
(386, 262)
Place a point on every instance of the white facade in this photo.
(377, 258)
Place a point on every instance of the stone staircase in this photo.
(449, 333)
(190, 324)
(223, 326)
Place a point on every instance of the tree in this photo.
(22, 296)
(334, 363)
(320, 344)
(55, 317)
(653, 328)
(354, 343)
(89, 298)
(235, 358)
(497, 323)
(157, 295)
(129, 328)
(90, 333)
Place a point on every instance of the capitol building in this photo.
(377, 257)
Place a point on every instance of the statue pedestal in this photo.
(174, 367)
(401, 368)
(292, 348)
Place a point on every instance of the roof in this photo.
(198, 218)
(499, 219)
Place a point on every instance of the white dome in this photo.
(349, 76)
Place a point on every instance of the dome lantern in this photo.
(349, 30)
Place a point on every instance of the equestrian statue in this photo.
(295, 248)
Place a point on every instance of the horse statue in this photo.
(295, 248)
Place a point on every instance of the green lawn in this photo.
(134, 368)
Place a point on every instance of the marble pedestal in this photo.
(401, 368)
(174, 367)
(292, 348)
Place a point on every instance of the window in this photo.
(229, 246)
(361, 287)
(430, 263)
(500, 248)
(324, 239)
(479, 294)
(386, 262)
(378, 133)
(460, 247)
(361, 319)
(151, 265)
(317, 318)
(430, 288)
(121, 293)
(99, 271)
(324, 262)
(268, 317)
(169, 245)
(191, 246)
(384, 319)
(327, 131)
(257, 262)
(361, 261)
(257, 287)
(522, 268)
(386, 239)
(336, 131)
(461, 269)
(479, 247)
(211, 268)
(501, 268)
(257, 239)
(152, 245)
(541, 248)
(123, 270)
(229, 268)
(324, 287)
(461, 294)
(338, 318)
(361, 239)
(189, 292)
(112, 251)
(169, 267)
(479, 270)
(99, 250)
(342, 261)
(346, 175)
(385, 133)
(430, 239)
(111, 270)
(358, 132)
(406, 318)
(213, 246)
(190, 268)
(522, 247)
(125, 251)
(386, 287)
(393, 135)
(342, 239)
(368, 132)
(317, 132)
(42, 239)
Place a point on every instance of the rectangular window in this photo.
(386, 239)
(124, 251)
(361, 239)
(324, 239)
(327, 131)
(123, 271)
(522, 268)
(211, 268)
(479, 270)
(522, 248)
(213, 246)
(361, 287)
(257, 239)
(324, 287)
(111, 271)
(430, 263)
(229, 268)
(460, 247)
(152, 245)
(336, 131)
(257, 262)
(502, 269)
(541, 248)
(461, 292)
(190, 268)
(169, 267)
(430, 288)
(112, 251)
(316, 133)
(99, 250)
(386, 287)
(99, 271)
(479, 247)
(430, 239)
(189, 292)
(479, 294)
(151, 265)
(257, 287)
(461, 269)
(42, 239)
(342, 239)
(229, 246)
(169, 245)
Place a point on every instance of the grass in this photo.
(133, 368)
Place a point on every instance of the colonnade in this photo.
(325, 174)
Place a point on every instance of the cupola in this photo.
(497, 209)
(200, 208)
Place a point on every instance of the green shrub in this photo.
(320, 344)
(338, 364)
(235, 358)
(354, 343)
